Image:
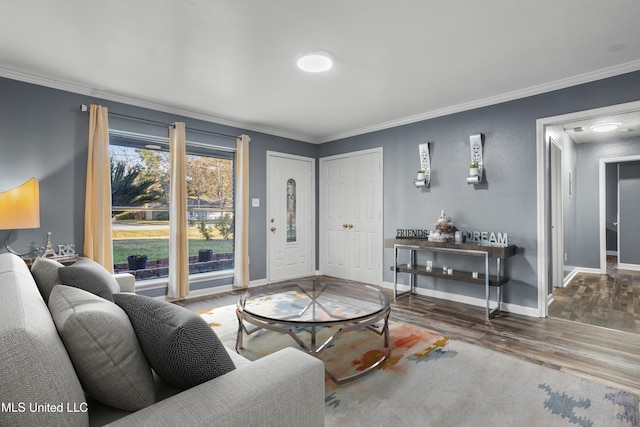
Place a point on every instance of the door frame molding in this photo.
(313, 213)
(558, 259)
(543, 178)
(602, 188)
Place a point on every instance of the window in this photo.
(291, 211)
(140, 205)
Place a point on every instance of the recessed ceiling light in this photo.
(315, 62)
(578, 129)
(623, 130)
(605, 127)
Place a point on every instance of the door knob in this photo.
(273, 229)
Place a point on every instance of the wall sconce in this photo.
(476, 169)
(20, 209)
(424, 175)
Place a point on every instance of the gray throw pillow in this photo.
(92, 277)
(180, 346)
(103, 347)
(45, 273)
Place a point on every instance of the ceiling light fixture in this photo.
(605, 127)
(315, 62)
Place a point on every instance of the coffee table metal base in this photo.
(283, 326)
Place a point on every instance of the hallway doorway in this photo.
(582, 175)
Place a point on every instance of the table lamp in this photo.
(20, 209)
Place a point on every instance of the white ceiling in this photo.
(233, 61)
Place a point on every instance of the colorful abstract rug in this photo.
(431, 380)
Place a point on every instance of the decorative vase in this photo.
(421, 176)
(473, 171)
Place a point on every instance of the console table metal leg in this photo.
(412, 257)
(486, 284)
(395, 272)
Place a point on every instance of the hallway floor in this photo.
(610, 301)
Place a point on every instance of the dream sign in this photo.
(486, 237)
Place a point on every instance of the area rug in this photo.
(432, 380)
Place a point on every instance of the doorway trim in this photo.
(543, 179)
(556, 215)
(603, 204)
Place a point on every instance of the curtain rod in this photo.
(85, 108)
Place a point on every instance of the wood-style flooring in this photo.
(607, 356)
(609, 300)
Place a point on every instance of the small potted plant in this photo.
(137, 262)
(421, 175)
(205, 255)
(473, 169)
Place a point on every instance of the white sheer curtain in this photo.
(178, 239)
(97, 211)
(241, 234)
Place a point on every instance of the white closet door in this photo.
(351, 238)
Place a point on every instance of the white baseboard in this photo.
(577, 270)
(634, 267)
(570, 276)
(478, 302)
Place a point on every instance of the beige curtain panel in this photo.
(97, 212)
(178, 236)
(241, 234)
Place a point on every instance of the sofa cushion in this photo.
(92, 277)
(181, 347)
(45, 272)
(34, 365)
(103, 348)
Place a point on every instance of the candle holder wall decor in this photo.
(476, 169)
(424, 174)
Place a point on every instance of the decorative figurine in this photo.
(444, 231)
(48, 250)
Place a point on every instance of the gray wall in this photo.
(569, 210)
(43, 134)
(506, 202)
(629, 185)
(587, 193)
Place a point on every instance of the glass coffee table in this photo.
(311, 306)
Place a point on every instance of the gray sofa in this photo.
(40, 386)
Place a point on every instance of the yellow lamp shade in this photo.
(20, 206)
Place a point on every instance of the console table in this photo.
(487, 279)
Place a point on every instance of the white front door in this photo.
(290, 216)
(351, 240)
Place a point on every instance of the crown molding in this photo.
(509, 96)
(137, 102)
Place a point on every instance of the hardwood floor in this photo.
(611, 300)
(604, 355)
